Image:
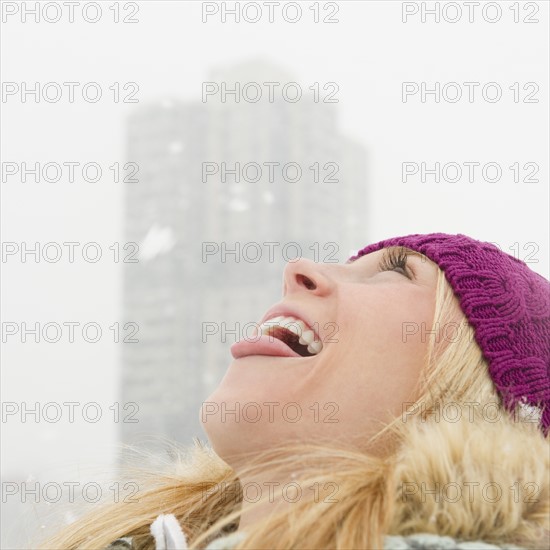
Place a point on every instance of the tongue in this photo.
(291, 340)
(264, 345)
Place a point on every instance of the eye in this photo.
(394, 260)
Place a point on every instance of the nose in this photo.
(306, 275)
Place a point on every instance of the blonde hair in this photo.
(366, 506)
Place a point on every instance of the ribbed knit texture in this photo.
(505, 301)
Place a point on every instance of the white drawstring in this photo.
(168, 533)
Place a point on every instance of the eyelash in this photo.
(392, 260)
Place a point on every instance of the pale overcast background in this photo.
(169, 52)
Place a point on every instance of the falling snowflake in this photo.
(158, 240)
(69, 517)
(238, 205)
(528, 413)
(268, 197)
(175, 147)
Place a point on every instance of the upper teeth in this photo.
(296, 326)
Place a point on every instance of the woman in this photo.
(410, 410)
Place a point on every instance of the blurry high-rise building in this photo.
(182, 289)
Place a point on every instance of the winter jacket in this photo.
(421, 541)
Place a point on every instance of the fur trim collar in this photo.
(474, 480)
(465, 485)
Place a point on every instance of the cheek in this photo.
(391, 317)
(379, 355)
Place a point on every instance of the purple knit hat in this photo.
(507, 304)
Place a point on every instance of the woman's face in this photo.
(373, 326)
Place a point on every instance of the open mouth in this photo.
(293, 332)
